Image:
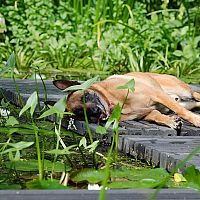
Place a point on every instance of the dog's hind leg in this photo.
(176, 107)
(171, 121)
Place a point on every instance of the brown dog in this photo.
(154, 95)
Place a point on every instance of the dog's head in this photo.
(97, 107)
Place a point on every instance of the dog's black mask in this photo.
(95, 109)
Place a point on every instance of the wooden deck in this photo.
(158, 145)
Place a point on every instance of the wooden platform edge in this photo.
(128, 194)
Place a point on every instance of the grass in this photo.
(112, 37)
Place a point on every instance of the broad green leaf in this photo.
(178, 53)
(32, 165)
(154, 17)
(17, 146)
(143, 184)
(101, 130)
(196, 41)
(133, 174)
(11, 61)
(192, 175)
(130, 85)
(83, 86)
(93, 146)
(45, 184)
(52, 110)
(188, 51)
(10, 64)
(28, 130)
(11, 121)
(61, 104)
(89, 175)
(31, 103)
(58, 109)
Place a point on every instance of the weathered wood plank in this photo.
(165, 152)
(128, 194)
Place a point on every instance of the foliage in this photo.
(114, 36)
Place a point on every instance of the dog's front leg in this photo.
(171, 121)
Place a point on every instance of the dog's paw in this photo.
(196, 120)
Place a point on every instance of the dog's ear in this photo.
(63, 84)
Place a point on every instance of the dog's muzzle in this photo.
(96, 111)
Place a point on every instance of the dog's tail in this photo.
(196, 95)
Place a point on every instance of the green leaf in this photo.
(178, 53)
(5, 186)
(143, 184)
(89, 175)
(17, 146)
(61, 104)
(58, 109)
(28, 130)
(11, 61)
(101, 130)
(130, 85)
(154, 17)
(10, 64)
(188, 51)
(93, 146)
(83, 86)
(83, 142)
(133, 174)
(32, 165)
(65, 151)
(114, 118)
(31, 103)
(192, 175)
(11, 121)
(52, 110)
(45, 184)
(196, 41)
(4, 104)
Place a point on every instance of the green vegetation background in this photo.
(88, 37)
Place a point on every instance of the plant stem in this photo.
(89, 130)
(108, 161)
(86, 120)
(38, 150)
(116, 144)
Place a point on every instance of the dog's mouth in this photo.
(96, 111)
(95, 114)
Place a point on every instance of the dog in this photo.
(154, 95)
